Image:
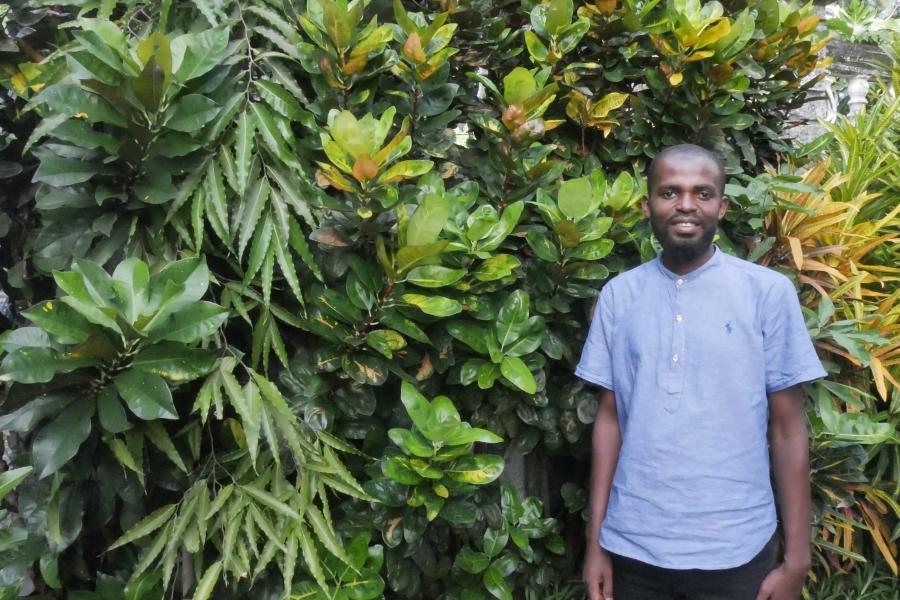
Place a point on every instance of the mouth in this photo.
(683, 226)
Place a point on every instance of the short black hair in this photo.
(690, 150)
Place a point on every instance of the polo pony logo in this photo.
(728, 327)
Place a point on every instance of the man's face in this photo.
(685, 205)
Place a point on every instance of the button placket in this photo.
(676, 355)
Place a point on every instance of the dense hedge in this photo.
(297, 276)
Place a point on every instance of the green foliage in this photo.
(253, 226)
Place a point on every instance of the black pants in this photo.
(635, 580)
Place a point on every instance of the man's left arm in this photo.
(789, 443)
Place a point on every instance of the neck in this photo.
(681, 266)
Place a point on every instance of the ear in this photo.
(723, 206)
(645, 206)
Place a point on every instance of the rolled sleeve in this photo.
(789, 353)
(595, 365)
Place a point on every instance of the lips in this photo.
(685, 225)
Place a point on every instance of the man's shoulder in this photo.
(762, 277)
(634, 276)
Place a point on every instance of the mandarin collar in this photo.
(714, 260)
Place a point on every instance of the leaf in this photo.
(310, 555)
(473, 335)
(496, 267)
(576, 198)
(11, 478)
(191, 113)
(58, 442)
(496, 584)
(542, 245)
(271, 502)
(428, 220)
(253, 209)
(472, 562)
(194, 322)
(436, 306)
(518, 86)
(559, 15)
(159, 437)
(406, 169)
(146, 394)
(243, 148)
(282, 101)
(207, 583)
(198, 52)
(515, 370)
(479, 469)
(434, 276)
(385, 341)
(40, 365)
(145, 526)
(60, 172)
(110, 410)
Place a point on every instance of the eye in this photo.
(705, 194)
(668, 194)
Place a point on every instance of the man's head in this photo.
(685, 201)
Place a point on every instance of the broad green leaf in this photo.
(515, 370)
(195, 54)
(559, 15)
(11, 478)
(72, 99)
(518, 86)
(411, 442)
(191, 113)
(58, 442)
(385, 341)
(146, 394)
(196, 321)
(175, 362)
(417, 406)
(428, 220)
(26, 417)
(472, 562)
(494, 542)
(145, 526)
(406, 169)
(500, 230)
(60, 172)
(436, 306)
(543, 245)
(479, 469)
(592, 250)
(511, 317)
(410, 256)
(619, 194)
(472, 334)
(434, 276)
(110, 410)
(496, 584)
(496, 267)
(576, 198)
(535, 46)
(39, 365)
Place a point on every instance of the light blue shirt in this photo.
(691, 359)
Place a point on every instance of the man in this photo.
(700, 356)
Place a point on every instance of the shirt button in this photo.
(675, 358)
(678, 318)
(680, 282)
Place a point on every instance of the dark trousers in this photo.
(635, 580)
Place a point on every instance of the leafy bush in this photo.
(266, 222)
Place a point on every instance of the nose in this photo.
(686, 203)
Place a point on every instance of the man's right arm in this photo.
(605, 443)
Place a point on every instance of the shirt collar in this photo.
(714, 260)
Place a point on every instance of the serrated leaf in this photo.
(253, 209)
(145, 526)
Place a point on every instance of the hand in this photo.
(784, 583)
(598, 573)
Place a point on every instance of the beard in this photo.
(678, 251)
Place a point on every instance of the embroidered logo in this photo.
(728, 327)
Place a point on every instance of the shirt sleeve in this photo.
(789, 353)
(596, 356)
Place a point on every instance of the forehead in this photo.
(687, 169)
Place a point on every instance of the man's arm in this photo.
(790, 457)
(606, 441)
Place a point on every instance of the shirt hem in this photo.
(591, 378)
(804, 378)
(681, 567)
